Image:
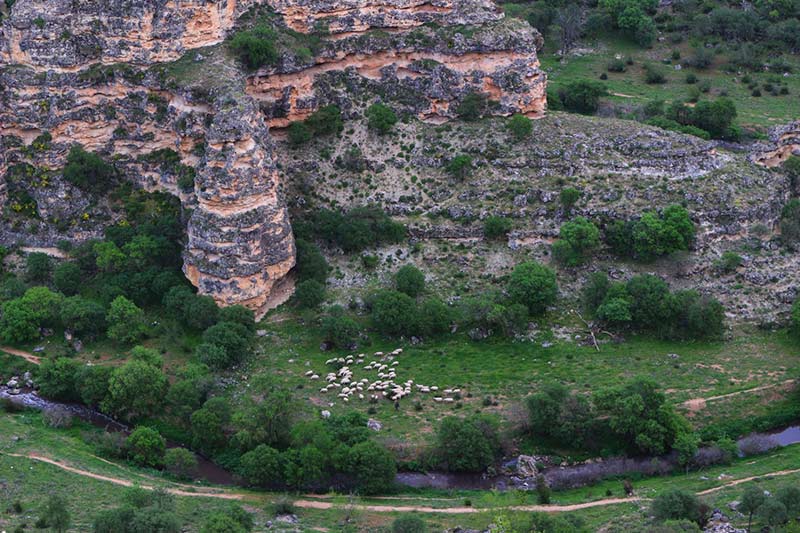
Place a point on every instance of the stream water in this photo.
(558, 477)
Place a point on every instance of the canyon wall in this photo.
(129, 79)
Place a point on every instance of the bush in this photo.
(581, 96)
(180, 462)
(38, 267)
(410, 280)
(255, 48)
(467, 444)
(691, 78)
(261, 467)
(616, 65)
(728, 262)
(556, 413)
(68, 278)
(394, 313)
(756, 445)
(577, 240)
(355, 230)
(568, 197)
(309, 294)
(298, 134)
(472, 106)
(380, 118)
(435, 317)
(460, 166)
(233, 338)
(533, 286)
(126, 323)
(790, 224)
(311, 264)
(519, 126)
(56, 379)
(653, 75)
(135, 390)
(327, 120)
(677, 505)
(339, 329)
(88, 171)
(57, 417)
(146, 446)
(372, 467)
(495, 227)
(408, 524)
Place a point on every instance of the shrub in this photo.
(327, 120)
(790, 224)
(311, 264)
(261, 467)
(691, 78)
(255, 47)
(467, 444)
(435, 317)
(339, 329)
(519, 126)
(135, 390)
(773, 512)
(676, 505)
(372, 466)
(146, 446)
(653, 75)
(68, 278)
(38, 267)
(233, 338)
(472, 106)
(533, 286)
(180, 462)
(56, 379)
(577, 239)
(728, 262)
(581, 96)
(380, 118)
(410, 280)
(756, 445)
(616, 65)
(298, 134)
(568, 198)
(355, 230)
(495, 227)
(239, 314)
(126, 322)
(309, 294)
(556, 413)
(55, 514)
(394, 313)
(57, 417)
(88, 172)
(408, 524)
(460, 166)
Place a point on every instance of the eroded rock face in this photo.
(784, 142)
(126, 79)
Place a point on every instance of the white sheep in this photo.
(309, 372)
(314, 377)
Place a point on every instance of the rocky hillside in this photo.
(152, 86)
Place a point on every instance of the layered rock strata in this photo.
(129, 79)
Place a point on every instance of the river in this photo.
(558, 477)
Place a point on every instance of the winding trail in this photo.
(696, 404)
(205, 492)
(28, 356)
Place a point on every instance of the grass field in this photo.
(30, 481)
(495, 376)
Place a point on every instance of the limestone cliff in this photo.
(127, 79)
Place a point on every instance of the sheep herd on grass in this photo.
(346, 386)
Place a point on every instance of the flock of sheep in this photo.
(385, 386)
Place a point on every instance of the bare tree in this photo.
(568, 24)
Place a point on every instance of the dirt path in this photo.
(696, 404)
(28, 356)
(201, 492)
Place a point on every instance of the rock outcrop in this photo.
(784, 142)
(130, 79)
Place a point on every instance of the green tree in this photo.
(232, 337)
(126, 322)
(594, 291)
(435, 317)
(212, 355)
(327, 120)
(208, 432)
(309, 294)
(135, 390)
(146, 446)
(108, 256)
(380, 118)
(255, 48)
(519, 126)
(581, 96)
(577, 240)
(339, 329)
(752, 499)
(180, 462)
(55, 513)
(68, 278)
(467, 444)
(495, 227)
(38, 267)
(298, 134)
(56, 379)
(773, 512)
(88, 171)
(460, 166)
(534, 286)
(311, 264)
(147, 355)
(18, 323)
(221, 523)
(790, 224)
(409, 280)
(676, 505)
(394, 313)
(372, 466)
(568, 197)
(262, 466)
(82, 316)
(686, 444)
(789, 496)
(239, 314)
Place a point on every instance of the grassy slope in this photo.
(30, 482)
(508, 370)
